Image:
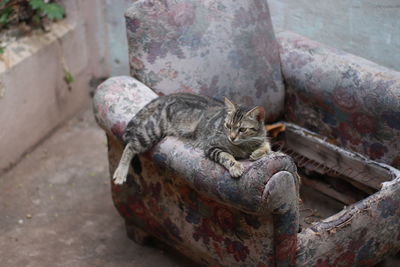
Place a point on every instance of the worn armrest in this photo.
(117, 100)
(352, 101)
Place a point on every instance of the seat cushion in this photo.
(217, 48)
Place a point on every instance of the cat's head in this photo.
(241, 125)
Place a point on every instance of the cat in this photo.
(224, 131)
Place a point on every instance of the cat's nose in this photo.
(232, 136)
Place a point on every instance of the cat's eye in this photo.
(227, 125)
(242, 130)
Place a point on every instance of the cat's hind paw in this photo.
(236, 170)
(257, 155)
(261, 152)
(120, 174)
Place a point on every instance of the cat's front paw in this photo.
(236, 170)
(120, 174)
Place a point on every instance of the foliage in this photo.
(31, 12)
(5, 13)
(24, 15)
(52, 10)
(68, 78)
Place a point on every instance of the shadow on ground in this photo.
(56, 207)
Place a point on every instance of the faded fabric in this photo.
(117, 100)
(350, 100)
(177, 195)
(221, 47)
(360, 235)
(216, 48)
(191, 203)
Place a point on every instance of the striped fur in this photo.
(225, 132)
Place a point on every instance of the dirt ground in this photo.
(56, 207)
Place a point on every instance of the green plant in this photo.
(51, 10)
(5, 12)
(30, 12)
(68, 78)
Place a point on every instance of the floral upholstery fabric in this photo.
(216, 48)
(363, 234)
(228, 48)
(352, 101)
(117, 100)
(177, 195)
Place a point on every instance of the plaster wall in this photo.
(117, 42)
(367, 28)
(34, 98)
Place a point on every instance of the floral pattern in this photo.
(217, 48)
(200, 224)
(362, 234)
(353, 102)
(117, 99)
(177, 195)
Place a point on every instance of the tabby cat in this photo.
(224, 132)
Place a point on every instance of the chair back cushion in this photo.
(212, 47)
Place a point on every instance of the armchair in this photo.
(228, 48)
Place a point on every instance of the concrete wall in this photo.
(117, 43)
(367, 28)
(34, 98)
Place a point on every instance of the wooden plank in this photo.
(327, 190)
(349, 164)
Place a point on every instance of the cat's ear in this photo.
(230, 107)
(257, 113)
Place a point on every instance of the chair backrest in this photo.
(212, 47)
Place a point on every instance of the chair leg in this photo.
(136, 234)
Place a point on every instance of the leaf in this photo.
(53, 11)
(5, 13)
(68, 78)
(36, 18)
(2, 50)
(3, 18)
(37, 4)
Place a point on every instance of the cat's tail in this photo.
(145, 129)
(121, 172)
